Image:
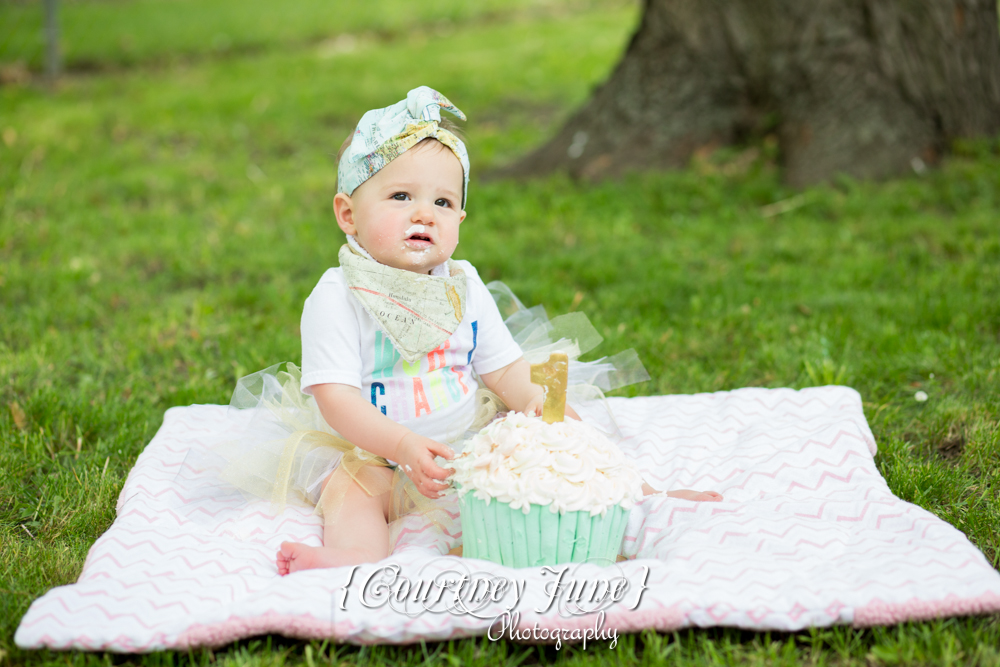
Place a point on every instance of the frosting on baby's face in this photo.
(568, 466)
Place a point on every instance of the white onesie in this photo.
(343, 344)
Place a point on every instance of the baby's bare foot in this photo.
(698, 496)
(686, 494)
(295, 556)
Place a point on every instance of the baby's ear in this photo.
(343, 208)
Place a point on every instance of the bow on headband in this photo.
(383, 135)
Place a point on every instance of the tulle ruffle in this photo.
(574, 335)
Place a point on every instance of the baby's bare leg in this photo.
(687, 494)
(354, 533)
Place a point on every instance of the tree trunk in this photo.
(863, 87)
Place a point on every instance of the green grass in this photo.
(103, 34)
(161, 225)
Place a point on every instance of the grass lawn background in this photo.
(166, 210)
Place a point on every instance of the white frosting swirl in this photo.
(569, 466)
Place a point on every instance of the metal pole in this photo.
(53, 63)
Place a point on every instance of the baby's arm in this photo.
(364, 425)
(512, 383)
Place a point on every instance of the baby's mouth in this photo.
(419, 241)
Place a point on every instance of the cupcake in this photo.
(533, 493)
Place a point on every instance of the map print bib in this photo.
(417, 312)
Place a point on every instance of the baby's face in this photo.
(407, 215)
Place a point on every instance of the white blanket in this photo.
(808, 535)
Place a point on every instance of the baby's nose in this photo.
(424, 213)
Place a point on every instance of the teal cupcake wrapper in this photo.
(494, 531)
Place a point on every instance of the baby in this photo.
(393, 340)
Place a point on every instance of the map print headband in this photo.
(383, 135)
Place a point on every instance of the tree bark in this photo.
(864, 87)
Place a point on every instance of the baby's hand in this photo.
(534, 406)
(415, 455)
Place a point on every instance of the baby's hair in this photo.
(444, 123)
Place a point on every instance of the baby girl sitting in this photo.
(396, 340)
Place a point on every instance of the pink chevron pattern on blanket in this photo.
(808, 535)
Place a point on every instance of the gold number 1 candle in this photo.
(552, 376)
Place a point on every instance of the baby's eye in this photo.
(400, 196)
(443, 202)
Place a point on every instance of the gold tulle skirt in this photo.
(289, 454)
